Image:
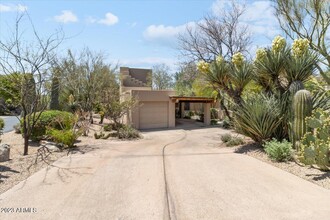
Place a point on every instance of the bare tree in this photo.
(221, 34)
(308, 19)
(33, 61)
(161, 77)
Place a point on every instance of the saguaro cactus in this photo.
(302, 108)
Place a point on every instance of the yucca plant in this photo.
(300, 68)
(259, 118)
(321, 100)
(269, 68)
(230, 77)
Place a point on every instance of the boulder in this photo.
(4, 152)
(51, 146)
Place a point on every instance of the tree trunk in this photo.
(26, 145)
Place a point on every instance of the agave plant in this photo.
(259, 117)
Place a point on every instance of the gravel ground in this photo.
(20, 167)
(313, 175)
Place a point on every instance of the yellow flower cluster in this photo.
(261, 54)
(219, 59)
(278, 44)
(300, 47)
(203, 66)
(238, 59)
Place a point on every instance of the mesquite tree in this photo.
(32, 59)
(216, 35)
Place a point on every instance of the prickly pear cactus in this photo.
(302, 108)
(315, 145)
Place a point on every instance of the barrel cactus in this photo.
(302, 108)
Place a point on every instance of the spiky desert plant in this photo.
(227, 76)
(259, 118)
(269, 67)
(302, 107)
(316, 143)
(321, 99)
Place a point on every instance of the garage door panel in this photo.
(153, 115)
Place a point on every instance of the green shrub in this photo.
(101, 135)
(107, 127)
(259, 118)
(127, 132)
(66, 137)
(231, 141)
(225, 138)
(234, 141)
(214, 113)
(214, 121)
(278, 151)
(2, 124)
(59, 120)
(226, 123)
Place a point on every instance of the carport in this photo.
(206, 101)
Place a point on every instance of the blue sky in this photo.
(134, 33)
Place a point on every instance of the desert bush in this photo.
(226, 137)
(214, 113)
(234, 141)
(127, 132)
(214, 121)
(66, 137)
(259, 118)
(101, 135)
(226, 123)
(59, 120)
(231, 141)
(107, 127)
(278, 151)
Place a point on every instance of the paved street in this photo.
(125, 180)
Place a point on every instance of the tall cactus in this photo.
(302, 108)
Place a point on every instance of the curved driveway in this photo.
(125, 180)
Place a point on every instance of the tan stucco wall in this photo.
(153, 96)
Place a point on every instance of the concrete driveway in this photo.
(125, 180)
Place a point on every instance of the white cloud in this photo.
(258, 16)
(164, 34)
(66, 17)
(13, 8)
(110, 19)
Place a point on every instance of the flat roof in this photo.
(192, 99)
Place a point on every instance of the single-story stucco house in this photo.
(156, 108)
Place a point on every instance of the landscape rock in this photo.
(4, 152)
(51, 146)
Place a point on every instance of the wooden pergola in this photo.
(195, 99)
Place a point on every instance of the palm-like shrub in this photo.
(229, 77)
(259, 117)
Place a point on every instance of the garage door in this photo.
(153, 115)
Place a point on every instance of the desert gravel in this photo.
(311, 174)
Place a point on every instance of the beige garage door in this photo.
(153, 115)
